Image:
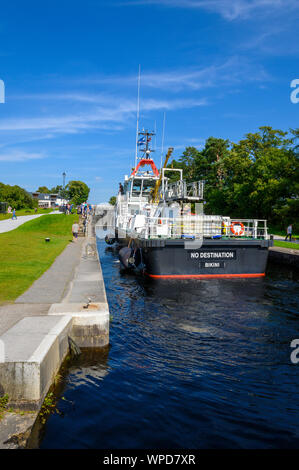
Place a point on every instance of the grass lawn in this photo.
(25, 212)
(25, 256)
(293, 246)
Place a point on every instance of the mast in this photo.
(162, 147)
(147, 139)
(145, 150)
(137, 124)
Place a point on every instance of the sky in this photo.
(217, 68)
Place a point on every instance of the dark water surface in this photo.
(192, 364)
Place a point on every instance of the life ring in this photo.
(238, 232)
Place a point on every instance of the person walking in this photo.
(289, 232)
(75, 230)
(84, 226)
(14, 217)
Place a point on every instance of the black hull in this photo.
(216, 258)
(121, 241)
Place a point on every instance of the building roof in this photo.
(44, 197)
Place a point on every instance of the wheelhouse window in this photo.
(148, 186)
(136, 189)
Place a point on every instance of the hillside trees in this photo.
(16, 197)
(255, 177)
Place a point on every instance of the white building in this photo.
(49, 200)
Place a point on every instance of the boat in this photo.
(135, 194)
(163, 232)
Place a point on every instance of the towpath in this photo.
(8, 225)
(49, 288)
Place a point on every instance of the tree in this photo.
(77, 192)
(16, 197)
(257, 177)
(112, 200)
(44, 190)
(272, 176)
(60, 191)
(186, 162)
(56, 189)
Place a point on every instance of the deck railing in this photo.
(182, 190)
(194, 226)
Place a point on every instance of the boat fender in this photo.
(109, 240)
(125, 256)
(237, 228)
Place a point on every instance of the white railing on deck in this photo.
(200, 227)
(182, 190)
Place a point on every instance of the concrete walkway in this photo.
(8, 225)
(50, 288)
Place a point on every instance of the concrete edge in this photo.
(94, 324)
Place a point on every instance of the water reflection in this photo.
(192, 365)
(86, 371)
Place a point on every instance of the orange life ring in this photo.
(237, 232)
(159, 221)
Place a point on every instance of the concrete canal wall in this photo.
(285, 256)
(68, 301)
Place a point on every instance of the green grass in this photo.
(25, 212)
(282, 233)
(25, 256)
(292, 246)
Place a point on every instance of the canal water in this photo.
(192, 364)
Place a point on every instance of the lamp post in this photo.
(63, 186)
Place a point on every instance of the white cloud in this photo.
(19, 156)
(229, 9)
(118, 104)
(100, 117)
(234, 69)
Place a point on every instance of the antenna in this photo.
(162, 147)
(137, 124)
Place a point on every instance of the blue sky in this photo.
(216, 67)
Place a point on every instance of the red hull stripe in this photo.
(202, 276)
